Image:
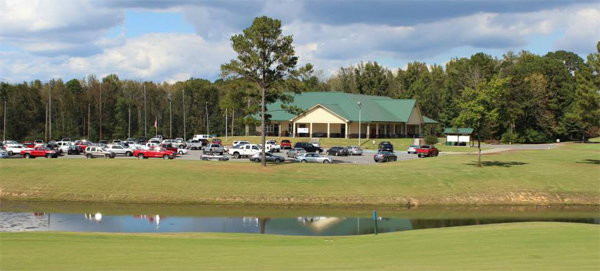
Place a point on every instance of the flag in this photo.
(155, 123)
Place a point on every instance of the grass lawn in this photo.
(565, 175)
(400, 144)
(514, 246)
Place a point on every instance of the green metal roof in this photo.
(429, 121)
(462, 131)
(374, 108)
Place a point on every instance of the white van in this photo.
(197, 137)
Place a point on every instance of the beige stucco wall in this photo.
(319, 115)
(415, 117)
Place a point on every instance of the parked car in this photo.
(38, 143)
(29, 144)
(412, 149)
(285, 144)
(240, 143)
(3, 154)
(39, 152)
(197, 137)
(244, 150)
(337, 151)
(313, 158)
(386, 146)
(427, 151)
(154, 152)
(354, 150)
(216, 140)
(66, 139)
(98, 151)
(103, 143)
(273, 146)
(180, 143)
(213, 148)
(269, 157)
(385, 156)
(181, 151)
(308, 147)
(63, 146)
(212, 157)
(295, 152)
(13, 149)
(194, 144)
(73, 149)
(119, 149)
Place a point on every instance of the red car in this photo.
(216, 141)
(427, 151)
(82, 144)
(154, 153)
(169, 147)
(29, 144)
(39, 152)
(286, 144)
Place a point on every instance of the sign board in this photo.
(452, 138)
(464, 139)
(303, 130)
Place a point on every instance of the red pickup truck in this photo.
(427, 151)
(155, 153)
(39, 152)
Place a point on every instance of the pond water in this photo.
(303, 224)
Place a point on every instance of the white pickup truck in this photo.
(244, 150)
(273, 146)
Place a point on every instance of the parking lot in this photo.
(365, 159)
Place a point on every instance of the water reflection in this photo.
(304, 225)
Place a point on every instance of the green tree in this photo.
(266, 58)
(478, 108)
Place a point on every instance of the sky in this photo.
(178, 39)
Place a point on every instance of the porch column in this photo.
(294, 131)
(377, 130)
(328, 124)
(310, 132)
(368, 129)
(279, 129)
(385, 131)
(346, 129)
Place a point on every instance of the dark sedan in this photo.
(74, 149)
(384, 156)
(337, 151)
(386, 146)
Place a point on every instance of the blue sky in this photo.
(178, 39)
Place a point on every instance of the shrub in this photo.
(431, 140)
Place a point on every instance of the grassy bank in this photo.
(566, 175)
(400, 144)
(515, 246)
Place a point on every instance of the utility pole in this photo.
(46, 125)
(89, 121)
(170, 121)
(359, 115)
(145, 115)
(226, 124)
(129, 126)
(232, 122)
(206, 109)
(184, 132)
(50, 110)
(100, 111)
(4, 125)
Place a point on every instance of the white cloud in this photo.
(582, 32)
(162, 57)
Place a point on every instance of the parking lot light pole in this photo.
(359, 115)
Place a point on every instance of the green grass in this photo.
(566, 175)
(399, 143)
(515, 246)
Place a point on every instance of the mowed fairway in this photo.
(565, 175)
(515, 246)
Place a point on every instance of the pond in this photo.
(307, 222)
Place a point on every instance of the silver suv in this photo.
(96, 151)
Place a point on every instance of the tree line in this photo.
(535, 99)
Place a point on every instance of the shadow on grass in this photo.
(590, 161)
(498, 163)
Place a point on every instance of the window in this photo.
(254, 148)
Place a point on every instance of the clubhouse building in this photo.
(338, 114)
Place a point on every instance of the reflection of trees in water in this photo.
(442, 223)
